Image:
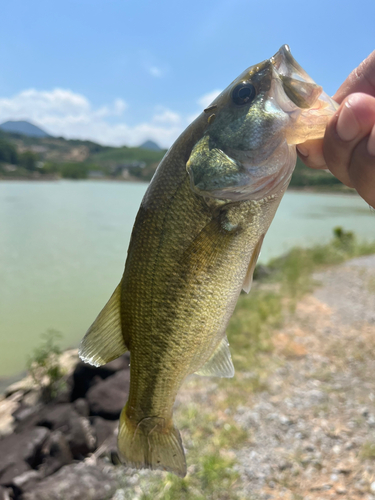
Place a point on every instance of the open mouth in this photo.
(297, 84)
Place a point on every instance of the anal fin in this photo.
(246, 287)
(104, 340)
(220, 363)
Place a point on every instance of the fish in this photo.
(194, 245)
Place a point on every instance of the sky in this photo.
(119, 72)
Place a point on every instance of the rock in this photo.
(21, 452)
(341, 490)
(32, 445)
(77, 429)
(4, 493)
(57, 416)
(82, 407)
(56, 453)
(12, 470)
(25, 412)
(27, 480)
(104, 430)
(76, 482)
(7, 423)
(81, 438)
(68, 360)
(107, 398)
(85, 376)
(24, 385)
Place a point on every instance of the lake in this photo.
(63, 248)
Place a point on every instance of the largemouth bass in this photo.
(194, 246)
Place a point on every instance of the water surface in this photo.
(63, 247)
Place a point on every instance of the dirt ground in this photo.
(313, 428)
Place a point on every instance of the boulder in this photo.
(107, 398)
(4, 493)
(81, 438)
(85, 375)
(56, 453)
(26, 412)
(26, 481)
(53, 416)
(77, 429)
(7, 407)
(105, 430)
(21, 452)
(57, 416)
(76, 482)
(82, 407)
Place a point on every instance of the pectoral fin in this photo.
(220, 364)
(104, 340)
(246, 287)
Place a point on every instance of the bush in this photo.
(8, 152)
(44, 366)
(28, 160)
(74, 170)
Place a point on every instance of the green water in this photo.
(63, 247)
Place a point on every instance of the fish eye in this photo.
(243, 93)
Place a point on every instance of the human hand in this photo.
(348, 146)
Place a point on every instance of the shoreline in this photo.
(308, 189)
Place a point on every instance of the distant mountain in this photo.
(23, 127)
(150, 145)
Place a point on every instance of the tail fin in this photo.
(151, 444)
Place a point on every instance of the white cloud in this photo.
(62, 112)
(168, 116)
(155, 71)
(206, 99)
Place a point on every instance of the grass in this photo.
(209, 432)
(368, 451)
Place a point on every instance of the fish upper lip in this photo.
(278, 58)
(284, 64)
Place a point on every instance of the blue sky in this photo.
(119, 72)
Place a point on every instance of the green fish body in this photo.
(194, 246)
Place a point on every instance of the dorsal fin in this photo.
(104, 340)
(246, 287)
(220, 363)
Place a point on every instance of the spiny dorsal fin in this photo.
(104, 341)
(220, 363)
(246, 287)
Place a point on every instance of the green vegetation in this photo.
(75, 159)
(72, 170)
(44, 366)
(28, 160)
(209, 432)
(36, 157)
(367, 451)
(308, 177)
(8, 152)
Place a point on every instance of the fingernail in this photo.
(371, 142)
(303, 150)
(347, 126)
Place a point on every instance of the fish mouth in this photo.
(285, 65)
(298, 95)
(297, 84)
